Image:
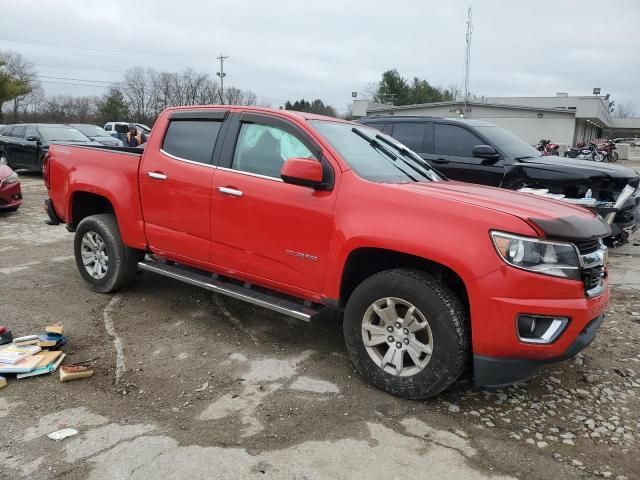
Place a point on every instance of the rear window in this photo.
(192, 139)
(411, 134)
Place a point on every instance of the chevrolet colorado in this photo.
(298, 213)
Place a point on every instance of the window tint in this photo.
(192, 139)
(121, 128)
(18, 132)
(108, 128)
(410, 134)
(262, 149)
(453, 140)
(31, 132)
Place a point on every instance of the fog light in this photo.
(539, 328)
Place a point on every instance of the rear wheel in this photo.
(104, 262)
(614, 157)
(406, 333)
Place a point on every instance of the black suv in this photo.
(480, 152)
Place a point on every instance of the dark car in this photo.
(10, 194)
(25, 145)
(480, 152)
(97, 134)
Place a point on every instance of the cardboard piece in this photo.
(12, 353)
(48, 367)
(74, 372)
(55, 329)
(23, 366)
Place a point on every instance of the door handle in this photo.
(440, 160)
(230, 191)
(157, 175)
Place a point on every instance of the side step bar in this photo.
(212, 282)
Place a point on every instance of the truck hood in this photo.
(555, 218)
(583, 168)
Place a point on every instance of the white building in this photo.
(561, 119)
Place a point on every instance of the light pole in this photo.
(221, 74)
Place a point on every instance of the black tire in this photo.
(446, 318)
(614, 157)
(122, 261)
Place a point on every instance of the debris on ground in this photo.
(62, 434)
(74, 372)
(5, 335)
(3, 382)
(32, 355)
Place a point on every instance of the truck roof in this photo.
(236, 108)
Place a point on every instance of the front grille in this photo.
(587, 246)
(592, 277)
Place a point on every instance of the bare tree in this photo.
(137, 91)
(625, 110)
(236, 96)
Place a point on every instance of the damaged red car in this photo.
(10, 193)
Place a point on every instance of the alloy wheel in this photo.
(94, 255)
(397, 336)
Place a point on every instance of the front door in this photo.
(262, 226)
(175, 186)
(452, 155)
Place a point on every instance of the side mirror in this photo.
(32, 138)
(302, 171)
(486, 152)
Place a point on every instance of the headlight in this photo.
(540, 256)
(13, 178)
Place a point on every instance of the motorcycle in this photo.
(547, 148)
(608, 149)
(584, 152)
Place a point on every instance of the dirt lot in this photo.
(190, 385)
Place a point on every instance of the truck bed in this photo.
(110, 172)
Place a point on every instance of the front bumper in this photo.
(496, 300)
(10, 196)
(498, 372)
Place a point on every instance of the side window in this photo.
(31, 132)
(262, 149)
(108, 128)
(121, 128)
(192, 139)
(454, 140)
(411, 135)
(18, 132)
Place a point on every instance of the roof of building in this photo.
(474, 103)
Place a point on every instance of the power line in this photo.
(78, 79)
(79, 67)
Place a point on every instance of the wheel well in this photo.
(364, 262)
(85, 204)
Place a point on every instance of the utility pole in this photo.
(221, 74)
(467, 61)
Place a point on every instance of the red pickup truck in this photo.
(298, 213)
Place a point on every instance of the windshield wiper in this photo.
(426, 169)
(378, 146)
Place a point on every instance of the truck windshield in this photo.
(62, 134)
(91, 130)
(511, 146)
(374, 156)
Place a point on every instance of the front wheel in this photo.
(597, 157)
(614, 157)
(104, 262)
(406, 333)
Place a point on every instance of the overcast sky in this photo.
(290, 49)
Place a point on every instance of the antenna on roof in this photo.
(467, 60)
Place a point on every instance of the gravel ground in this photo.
(192, 385)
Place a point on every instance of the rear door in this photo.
(418, 136)
(15, 146)
(175, 185)
(262, 226)
(452, 155)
